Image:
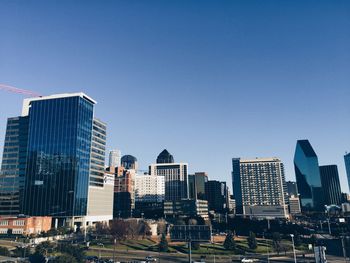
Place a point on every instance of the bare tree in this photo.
(133, 229)
(119, 229)
(144, 229)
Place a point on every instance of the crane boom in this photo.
(18, 91)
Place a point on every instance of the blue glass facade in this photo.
(347, 166)
(308, 177)
(58, 158)
(13, 166)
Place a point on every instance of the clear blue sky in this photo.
(208, 80)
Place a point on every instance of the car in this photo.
(151, 259)
(249, 260)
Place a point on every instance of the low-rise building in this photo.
(186, 208)
(24, 225)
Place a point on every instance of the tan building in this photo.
(25, 225)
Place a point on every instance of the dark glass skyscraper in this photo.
(331, 184)
(196, 184)
(58, 155)
(347, 166)
(165, 157)
(308, 177)
(13, 166)
(217, 196)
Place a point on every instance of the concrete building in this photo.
(124, 193)
(24, 225)
(149, 196)
(114, 158)
(259, 187)
(294, 205)
(186, 208)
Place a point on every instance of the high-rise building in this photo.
(197, 185)
(330, 184)
(165, 157)
(60, 155)
(259, 187)
(129, 162)
(114, 158)
(13, 166)
(308, 177)
(292, 188)
(175, 179)
(217, 196)
(124, 193)
(347, 166)
(101, 183)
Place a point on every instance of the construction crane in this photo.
(19, 91)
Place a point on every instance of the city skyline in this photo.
(205, 99)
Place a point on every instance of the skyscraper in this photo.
(347, 166)
(129, 162)
(114, 158)
(12, 173)
(292, 188)
(259, 187)
(308, 177)
(197, 185)
(165, 157)
(330, 184)
(217, 196)
(59, 156)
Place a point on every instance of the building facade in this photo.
(347, 166)
(308, 177)
(186, 208)
(114, 158)
(197, 185)
(259, 187)
(12, 173)
(124, 193)
(165, 157)
(331, 184)
(24, 225)
(59, 159)
(217, 195)
(129, 162)
(175, 179)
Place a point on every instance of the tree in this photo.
(252, 240)
(144, 229)
(4, 251)
(37, 258)
(163, 244)
(161, 227)
(133, 229)
(119, 229)
(76, 251)
(276, 238)
(101, 229)
(44, 248)
(64, 259)
(21, 252)
(297, 239)
(229, 243)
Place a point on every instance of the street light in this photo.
(295, 257)
(99, 251)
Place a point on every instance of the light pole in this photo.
(99, 251)
(295, 257)
(267, 249)
(115, 243)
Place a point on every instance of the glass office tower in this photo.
(347, 166)
(331, 184)
(308, 177)
(58, 155)
(13, 166)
